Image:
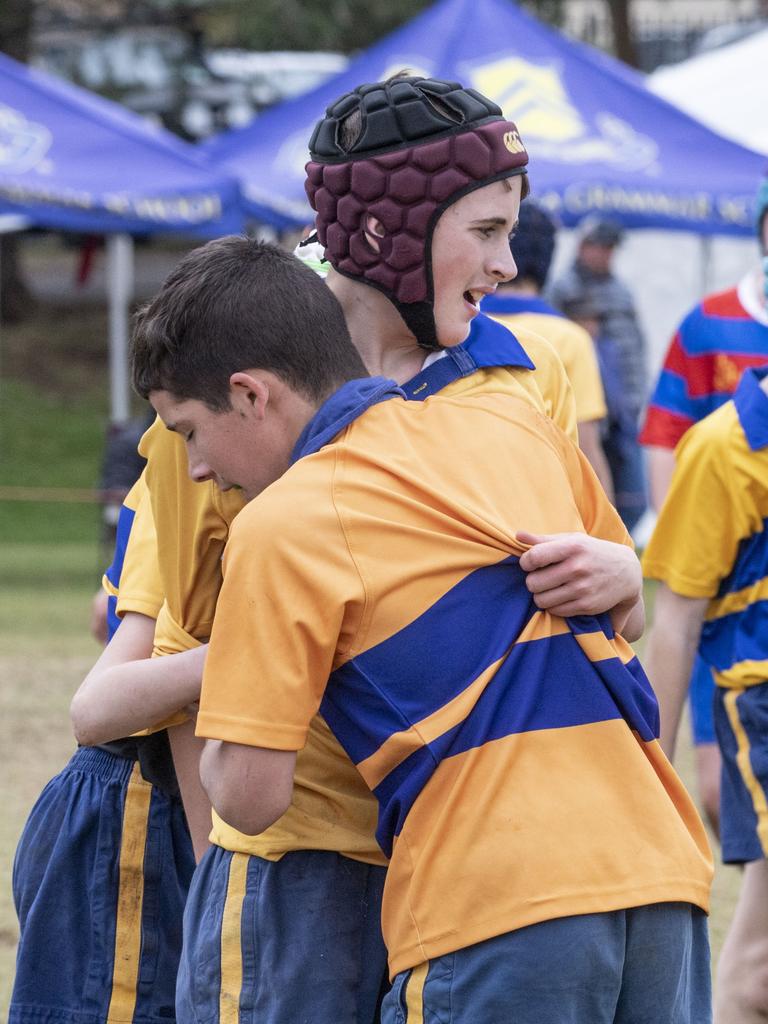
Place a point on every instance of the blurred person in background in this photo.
(519, 304)
(607, 304)
(721, 337)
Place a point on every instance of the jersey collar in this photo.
(752, 407)
(492, 344)
(342, 408)
(511, 305)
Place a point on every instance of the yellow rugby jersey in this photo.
(573, 344)
(711, 538)
(512, 754)
(133, 580)
(192, 524)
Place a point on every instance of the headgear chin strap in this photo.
(422, 144)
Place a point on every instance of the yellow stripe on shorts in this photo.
(130, 898)
(756, 791)
(414, 994)
(231, 942)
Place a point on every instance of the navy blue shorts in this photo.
(294, 941)
(741, 721)
(646, 965)
(701, 698)
(99, 880)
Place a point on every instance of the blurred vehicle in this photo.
(168, 77)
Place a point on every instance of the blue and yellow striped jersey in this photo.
(512, 753)
(711, 538)
(133, 579)
(192, 523)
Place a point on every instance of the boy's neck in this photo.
(377, 330)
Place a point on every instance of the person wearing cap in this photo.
(328, 832)
(518, 304)
(721, 337)
(607, 305)
(707, 552)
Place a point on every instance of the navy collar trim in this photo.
(342, 408)
(492, 344)
(489, 344)
(752, 407)
(514, 304)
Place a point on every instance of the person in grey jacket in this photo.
(590, 293)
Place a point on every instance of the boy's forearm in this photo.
(661, 466)
(669, 658)
(119, 699)
(628, 618)
(186, 749)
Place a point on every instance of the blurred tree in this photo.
(344, 25)
(623, 41)
(550, 11)
(15, 296)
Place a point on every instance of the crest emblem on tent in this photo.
(535, 98)
(23, 143)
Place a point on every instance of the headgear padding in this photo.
(422, 145)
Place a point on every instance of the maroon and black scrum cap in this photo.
(422, 144)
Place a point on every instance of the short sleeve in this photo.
(697, 534)
(289, 606)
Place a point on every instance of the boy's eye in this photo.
(188, 437)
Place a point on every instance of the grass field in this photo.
(45, 650)
(52, 396)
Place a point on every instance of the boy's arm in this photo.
(693, 548)
(186, 749)
(127, 690)
(228, 771)
(669, 656)
(290, 602)
(661, 466)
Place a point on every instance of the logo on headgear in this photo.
(513, 142)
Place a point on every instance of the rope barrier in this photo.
(71, 495)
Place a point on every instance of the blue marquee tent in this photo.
(598, 139)
(70, 160)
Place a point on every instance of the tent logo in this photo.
(535, 98)
(23, 143)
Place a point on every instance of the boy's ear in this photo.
(248, 393)
(374, 230)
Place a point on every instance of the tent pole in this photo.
(705, 263)
(120, 293)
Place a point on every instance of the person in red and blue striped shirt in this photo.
(724, 335)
